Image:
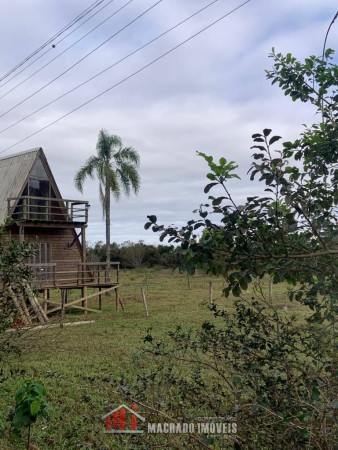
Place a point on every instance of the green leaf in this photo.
(236, 379)
(209, 186)
(274, 139)
(153, 219)
(243, 283)
(217, 201)
(236, 291)
(20, 420)
(266, 132)
(315, 394)
(35, 407)
(211, 176)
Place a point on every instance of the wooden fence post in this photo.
(144, 302)
(210, 293)
(270, 289)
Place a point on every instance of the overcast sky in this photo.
(210, 95)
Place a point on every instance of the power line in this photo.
(85, 56)
(129, 76)
(66, 49)
(111, 66)
(79, 17)
(51, 48)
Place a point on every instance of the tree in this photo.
(275, 372)
(291, 232)
(14, 272)
(116, 168)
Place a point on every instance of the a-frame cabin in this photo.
(30, 196)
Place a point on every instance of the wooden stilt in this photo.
(85, 301)
(82, 295)
(121, 303)
(63, 300)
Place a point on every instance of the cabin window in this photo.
(41, 261)
(39, 204)
(43, 255)
(38, 171)
(39, 208)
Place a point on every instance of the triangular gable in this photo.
(40, 170)
(15, 171)
(41, 158)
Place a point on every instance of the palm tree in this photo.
(116, 168)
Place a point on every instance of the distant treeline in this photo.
(132, 255)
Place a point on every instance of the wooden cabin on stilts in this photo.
(30, 196)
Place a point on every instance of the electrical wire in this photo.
(85, 56)
(52, 48)
(111, 66)
(163, 55)
(79, 17)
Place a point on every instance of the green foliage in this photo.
(291, 232)
(278, 377)
(133, 255)
(268, 371)
(30, 404)
(13, 270)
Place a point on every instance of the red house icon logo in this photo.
(123, 420)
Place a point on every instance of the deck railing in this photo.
(45, 209)
(87, 274)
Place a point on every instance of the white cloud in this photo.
(209, 95)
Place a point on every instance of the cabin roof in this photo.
(14, 173)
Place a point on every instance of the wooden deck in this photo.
(101, 277)
(29, 208)
(95, 275)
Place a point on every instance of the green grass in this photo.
(78, 365)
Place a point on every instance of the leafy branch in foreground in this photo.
(13, 272)
(276, 373)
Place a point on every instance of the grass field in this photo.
(78, 365)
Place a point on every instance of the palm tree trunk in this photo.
(107, 206)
